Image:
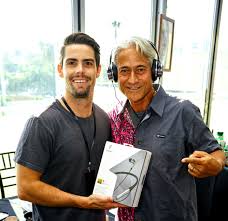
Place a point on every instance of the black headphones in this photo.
(156, 67)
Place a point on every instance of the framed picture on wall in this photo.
(165, 44)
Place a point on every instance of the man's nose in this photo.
(132, 78)
(79, 68)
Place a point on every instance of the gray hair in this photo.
(143, 46)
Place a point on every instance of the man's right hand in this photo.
(101, 202)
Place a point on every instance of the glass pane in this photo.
(31, 32)
(109, 22)
(219, 120)
(192, 43)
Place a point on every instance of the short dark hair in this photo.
(81, 38)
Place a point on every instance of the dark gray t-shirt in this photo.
(53, 144)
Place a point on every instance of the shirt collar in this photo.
(157, 104)
(122, 106)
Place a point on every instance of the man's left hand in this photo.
(202, 164)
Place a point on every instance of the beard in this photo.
(77, 94)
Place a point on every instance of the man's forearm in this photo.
(31, 188)
(44, 194)
(220, 157)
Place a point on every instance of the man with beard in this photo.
(59, 152)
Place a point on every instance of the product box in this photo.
(122, 173)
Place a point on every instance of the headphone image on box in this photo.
(156, 67)
(126, 180)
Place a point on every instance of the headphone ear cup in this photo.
(157, 71)
(114, 72)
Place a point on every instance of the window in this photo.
(219, 120)
(191, 52)
(114, 21)
(31, 34)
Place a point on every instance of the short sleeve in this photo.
(199, 135)
(33, 150)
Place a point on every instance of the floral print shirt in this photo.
(123, 131)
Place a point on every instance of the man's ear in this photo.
(98, 71)
(60, 70)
